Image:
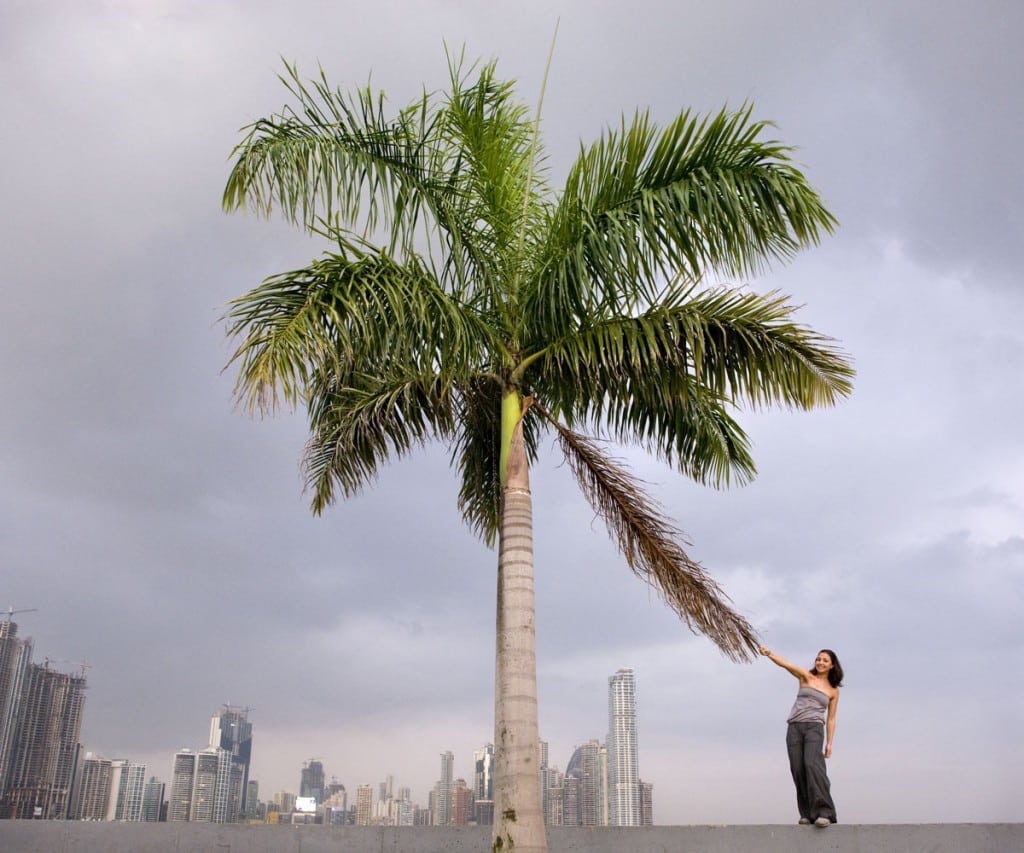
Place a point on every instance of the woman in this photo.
(818, 692)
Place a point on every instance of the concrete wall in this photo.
(79, 837)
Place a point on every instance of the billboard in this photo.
(305, 804)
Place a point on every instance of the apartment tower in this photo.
(15, 655)
(42, 753)
(483, 785)
(623, 772)
(443, 801)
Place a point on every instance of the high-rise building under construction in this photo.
(40, 723)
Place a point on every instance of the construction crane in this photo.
(83, 665)
(11, 611)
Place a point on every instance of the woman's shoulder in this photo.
(804, 676)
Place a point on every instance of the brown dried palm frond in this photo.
(651, 546)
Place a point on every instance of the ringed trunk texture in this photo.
(518, 813)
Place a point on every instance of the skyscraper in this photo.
(364, 805)
(443, 804)
(252, 799)
(587, 766)
(183, 776)
(15, 655)
(483, 785)
(43, 748)
(311, 783)
(646, 804)
(92, 791)
(202, 786)
(231, 730)
(623, 773)
(550, 780)
(462, 803)
(153, 800)
(211, 800)
(128, 786)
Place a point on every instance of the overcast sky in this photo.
(164, 537)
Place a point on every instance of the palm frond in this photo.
(347, 313)
(500, 185)
(651, 546)
(666, 379)
(340, 165)
(358, 425)
(748, 347)
(334, 156)
(644, 205)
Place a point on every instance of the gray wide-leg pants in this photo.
(806, 745)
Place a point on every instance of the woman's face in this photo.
(823, 663)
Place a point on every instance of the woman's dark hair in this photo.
(835, 675)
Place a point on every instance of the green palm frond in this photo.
(747, 347)
(645, 205)
(683, 424)
(651, 546)
(673, 417)
(359, 424)
(346, 313)
(336, 155)
(284, 327)
(493, 134)
(667, 378)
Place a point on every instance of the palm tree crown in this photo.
(464, 300)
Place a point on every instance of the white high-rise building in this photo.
(443, 805)
(202, 786)
(127, 787)
(183, 775)
(623, 771)
(92, 794)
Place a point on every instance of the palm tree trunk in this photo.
(518, 814)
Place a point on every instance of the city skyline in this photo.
(212, 782)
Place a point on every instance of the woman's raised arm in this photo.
(797, 671)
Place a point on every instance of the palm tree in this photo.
(466, 302)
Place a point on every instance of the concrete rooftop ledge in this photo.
(79, 837)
